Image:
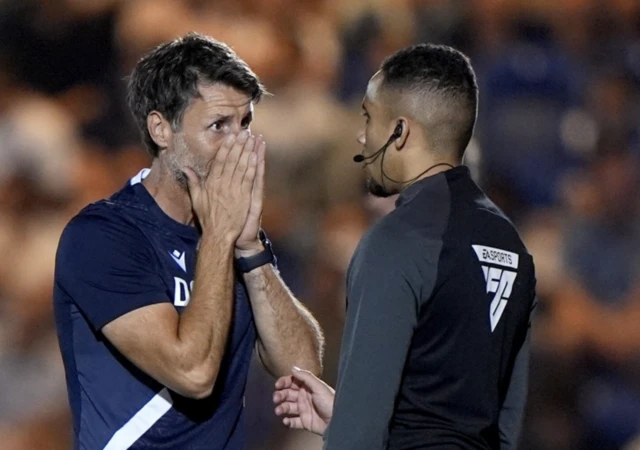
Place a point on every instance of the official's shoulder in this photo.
(392, 235)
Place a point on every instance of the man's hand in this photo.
(248, 241)
(222, 200)
(305, 401)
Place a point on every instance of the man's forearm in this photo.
(204, 324)
(288, 335)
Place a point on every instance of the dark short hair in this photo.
(166, 79)
(437, 72)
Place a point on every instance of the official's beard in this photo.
(181, 157)
(376, 189)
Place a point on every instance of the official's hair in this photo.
(167, 78)
(438, 85)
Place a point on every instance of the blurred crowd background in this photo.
(556, 146)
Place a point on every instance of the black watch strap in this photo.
(266, 256)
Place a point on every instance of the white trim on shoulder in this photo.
(140, 176)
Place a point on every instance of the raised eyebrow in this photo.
(218, 117)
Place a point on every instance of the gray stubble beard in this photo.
(180, 157)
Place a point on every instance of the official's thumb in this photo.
(309, 379)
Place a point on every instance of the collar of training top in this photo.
(412, 190)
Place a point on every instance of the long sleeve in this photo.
(512, 411)
(382, 313)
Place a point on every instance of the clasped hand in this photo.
(229, 198)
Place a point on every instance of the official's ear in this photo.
(159, 129)
(401, 133)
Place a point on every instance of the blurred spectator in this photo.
(530, 82)
(593, 313)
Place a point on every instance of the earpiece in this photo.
(397, 132)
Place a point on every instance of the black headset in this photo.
(397, 132)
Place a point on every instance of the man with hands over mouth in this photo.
(163, 290)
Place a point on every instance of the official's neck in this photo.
(436, 162)
(172, 198)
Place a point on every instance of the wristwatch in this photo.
(266, 256)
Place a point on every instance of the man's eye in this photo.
(217, 126)
(246, 124)
(366, 117)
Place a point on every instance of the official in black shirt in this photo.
(439, 292)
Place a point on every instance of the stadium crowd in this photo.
(556, 146)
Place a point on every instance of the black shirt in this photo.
(439, 299)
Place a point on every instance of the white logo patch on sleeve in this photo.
(499, 281)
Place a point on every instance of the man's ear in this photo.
(401, 131)
(159, 129)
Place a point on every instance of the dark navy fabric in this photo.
(115, 256)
